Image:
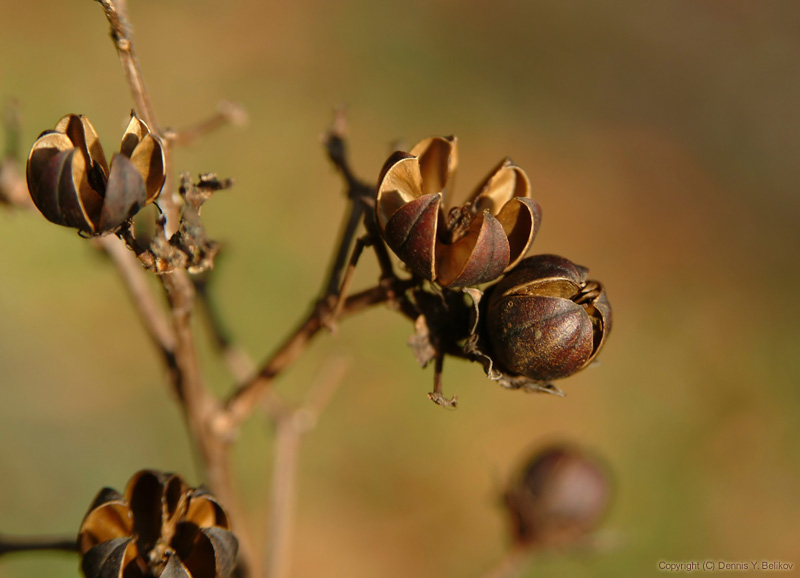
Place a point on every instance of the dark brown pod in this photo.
(71, 183)
(159, 528)
(559, 496)
(467, 245)
(545, 320)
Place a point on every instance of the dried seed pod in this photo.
(470, 244)
(545, 320)
(559, 496)
(71, 183)
(159, 528)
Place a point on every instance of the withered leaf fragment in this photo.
(469, 244)
(160, 528)
(71, 183)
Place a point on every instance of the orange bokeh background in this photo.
(661, 140)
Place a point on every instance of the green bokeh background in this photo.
(661, 140)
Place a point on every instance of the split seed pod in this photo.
(470, 244)
(72, 185)
(545, 320)
(159, 528)
(559, 496)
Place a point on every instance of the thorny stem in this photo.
(12, 544)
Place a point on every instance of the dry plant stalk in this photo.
(476, 242)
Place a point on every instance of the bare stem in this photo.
(197, 402)
(117, 14)
(239, 363)
(246, 397)
(511, 565)
(135, 280)
(282, 499)
(12, 544)
(290, 429)
(227, 113)
(199, 406)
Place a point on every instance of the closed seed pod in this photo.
(470, 244)
(559, 496)
(545, 320)
(71, 183)
(159, 528)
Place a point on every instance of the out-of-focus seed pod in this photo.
(71, 183)
(467, 245)
(560, 495)
(545, 320)
(159, 528)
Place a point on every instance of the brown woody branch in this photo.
(228, 112)
(246, 397)
(117, 15)
(14, 544)
(197, 402)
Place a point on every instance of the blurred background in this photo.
(661, 140)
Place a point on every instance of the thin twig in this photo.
(344, 290)
(511, 565)
(197, 402)
(199, 406)
(362, 205)
(246, 397)
(135, 281)
(14, 544)
(290, 429)
(282, 499)
(13, 189)
(228, 112)
(122, 35)
(116, 12)
(239, 363)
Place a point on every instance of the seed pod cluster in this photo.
(559, 496)
(159, 528)
(545, 320)
(470, 244)
(71, 183)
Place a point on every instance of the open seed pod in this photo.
(71, 183)
(545, 320)
(159, 528)
(560, 495)
(467, 245)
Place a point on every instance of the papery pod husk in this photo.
(115, 558)
(558, 497)
(146, 153)
(503, 225)
(108, 518)
(72, 185)
(176, 569)
(160, 527)
(535, 326)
